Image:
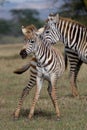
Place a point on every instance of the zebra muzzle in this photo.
(23, 53)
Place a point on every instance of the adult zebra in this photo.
(74, 37)
(50, 65)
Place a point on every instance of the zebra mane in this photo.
(66, 19)
(30, 28)
(28, 31)
(72, 21)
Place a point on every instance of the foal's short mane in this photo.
(31, 28)
(30, 31)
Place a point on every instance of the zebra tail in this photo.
(22, 69)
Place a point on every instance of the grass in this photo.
(73, 110)
(10, 39)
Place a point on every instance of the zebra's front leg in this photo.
(52, 92)
(37, 94)
(25, 92)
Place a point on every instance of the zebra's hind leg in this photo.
(52, 92)
(73, 84)
(74, 69)
(31, 84)
(25, 92)
(49, 89)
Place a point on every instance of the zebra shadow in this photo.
(80, 97)
(37, 114)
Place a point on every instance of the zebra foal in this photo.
(50, 66)
(32, 66)
(74, 37)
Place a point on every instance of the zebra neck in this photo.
(63, 31)
(46, 43)
(41, 53)
(69, 31)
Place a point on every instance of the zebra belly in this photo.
(83, 57)
(42, 72)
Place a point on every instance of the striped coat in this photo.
(50, 67)
(74, 37)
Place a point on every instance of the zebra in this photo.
(33, 70)
(74, 37)
(50, 66)
(31, 65)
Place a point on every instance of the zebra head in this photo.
(51, 32)
(52, 19)
(32, 38)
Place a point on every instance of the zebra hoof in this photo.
(27, 120)
(15, 118)
(58, 119)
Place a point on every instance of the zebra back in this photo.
(71, 33)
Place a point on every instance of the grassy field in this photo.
(73, 110)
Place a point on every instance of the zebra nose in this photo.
(23, 53)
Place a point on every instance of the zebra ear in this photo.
(40, 30)
(23, 30)
(56, 18)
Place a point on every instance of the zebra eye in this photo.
(32, 41)
(47, 31)
(40, 36)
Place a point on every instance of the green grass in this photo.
(73, 110)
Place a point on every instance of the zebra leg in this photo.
(34, 103)
(49, 89)
(75, 65)
(52, 92)
(25, 92)
(74, 69)
(23, 95)
(37, 94)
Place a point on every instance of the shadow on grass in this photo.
(67, 96)
(38, 113)
(80, 97)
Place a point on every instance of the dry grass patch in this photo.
(73, 110)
